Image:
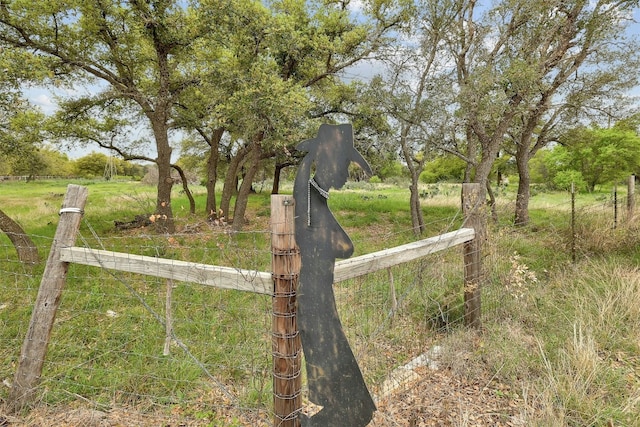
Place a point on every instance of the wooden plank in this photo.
(285, 340)
(203, 274)
(34, 348)
(472, 208)
(359, 266)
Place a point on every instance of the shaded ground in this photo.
(439, 398)
(436, 398)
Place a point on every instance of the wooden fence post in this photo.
(631, 196)
(35, 344)
(286, 346)
(472, 208)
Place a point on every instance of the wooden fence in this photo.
(280, 283)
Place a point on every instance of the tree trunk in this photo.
(185, 188)
(212, 172)
(492, 203)
(524, 153)
(27, 250)
(524, 191)
(415, 167)
(483, 170)
(417, 220)
(230, 181)
(275, 189)
(163, 218)
(245, 188)
(472, 152)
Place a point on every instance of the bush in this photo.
(445, 168)
(392, 169)
(564, 179)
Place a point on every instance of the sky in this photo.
(45, 99)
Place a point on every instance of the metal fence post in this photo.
(615, 206)
(573, 223)
(631, 196)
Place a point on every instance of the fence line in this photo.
(225, 277)
(418, 286)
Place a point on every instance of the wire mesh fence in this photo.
(109, 344)
(580, 224)
(111, 347)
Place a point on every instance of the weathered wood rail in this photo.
(209, 275)
(260, 282)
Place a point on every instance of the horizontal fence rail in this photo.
(203, 274)
(365, 264)
(257, 281)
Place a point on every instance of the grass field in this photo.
(565, 336)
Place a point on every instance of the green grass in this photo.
(563, 335)
(570, 343)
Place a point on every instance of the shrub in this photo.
(564, 179)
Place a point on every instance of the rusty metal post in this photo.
(631, 197)
(286, 346)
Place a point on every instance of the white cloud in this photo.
(356, 5)
(42, 100)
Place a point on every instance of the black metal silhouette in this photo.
(334, 378)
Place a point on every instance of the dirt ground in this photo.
(438, 398)
(431, 398)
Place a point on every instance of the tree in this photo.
(16, 146)
(134, 54)
(19, 136)
(520, 73)
(56, 163)
(457, 90)
(582, 63)
(278, 66)
(600, 155)
(443, 168)
(416, 93)
(486, 100)
(91, 166)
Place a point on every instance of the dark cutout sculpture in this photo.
(333, 376)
